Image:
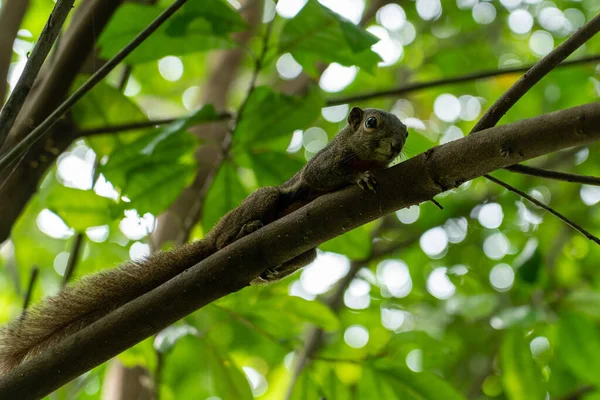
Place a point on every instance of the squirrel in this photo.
(370, 141)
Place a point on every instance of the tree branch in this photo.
(414, 87)
(139, 125)
(538, 203)
(32, 67)
(522, 86)
(410, 88)
(559, 176)
(32, 279)
(37, 133)
(11, 16)
(229, 270)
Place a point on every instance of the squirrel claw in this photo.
(366, 181)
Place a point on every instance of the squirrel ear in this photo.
(355, 117)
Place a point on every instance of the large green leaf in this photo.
(273, 168)
(270, 115)
(586, 302)
(152, 170)
(80, 209)
(317, 33)
(225, 193)
(521, 376)
(228, 380)
(579, 346)
(198, 27)
(314, 312)
(355, 244)
(393, 382)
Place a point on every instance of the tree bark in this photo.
(20, 182)
(11, 16)
(229, 270)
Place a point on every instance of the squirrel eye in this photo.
(371, 123)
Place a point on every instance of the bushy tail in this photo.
(90, 298)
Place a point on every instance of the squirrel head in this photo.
(376, 135)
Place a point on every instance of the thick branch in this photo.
(11, 16)
(19, 183)
(34, 63)
(414, 181)
(37, 133)
(414, 87)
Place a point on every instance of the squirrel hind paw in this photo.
(366, 181)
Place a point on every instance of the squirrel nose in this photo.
(397, 143)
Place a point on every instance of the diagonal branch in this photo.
(229, 270)
(32, 67)
(522, 86)
(11, 16)
(538, 203)
(21, 148)
(414, 87)
(559, 176)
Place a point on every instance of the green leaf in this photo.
(579, 346)
(585, 302)
(205, 27)
(195, 16)
(393, 382)
(317, 33)
(521, 376)
(273, 168)
(269, 115)
(152, 170)
(529, 271)
(228, 380)
(314, 312)
(168, 337)
(476, 306)
(355, 244)
(80, 209)
(225, 193)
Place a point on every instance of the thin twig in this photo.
(522, 86)
(32, 67)
(536, 73)
(314, 336)
(52, 119)
(32, 279)
(73, 258)
(559, 176)
(141, 125)
(193, 216)
(413, 87)
(545, 207)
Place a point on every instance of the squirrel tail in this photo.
(89, 299)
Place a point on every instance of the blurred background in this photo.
(489, 298)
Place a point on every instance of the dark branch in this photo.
(32, 67)
(44, 127)
(229, 270)
(73, 258)
(536, 73)
(559, 176)
(522, 86)
(11, 16)
(538, 203)
(138, 125)
(413, 87)
(32, 279)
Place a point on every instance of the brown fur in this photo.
(347, 159)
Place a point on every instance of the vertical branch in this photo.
(11, 16)
(32, 279)
(32, 67)
(73, 258)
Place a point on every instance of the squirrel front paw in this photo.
(366, 181)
